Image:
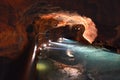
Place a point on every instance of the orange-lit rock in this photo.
(63, 19)
(12, 41)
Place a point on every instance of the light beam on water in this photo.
(99, 59)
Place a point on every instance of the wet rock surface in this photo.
(14, 37)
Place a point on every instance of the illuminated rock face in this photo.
(13, 31)
(77, 27)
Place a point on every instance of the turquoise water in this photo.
(94, 58)
(100, 63)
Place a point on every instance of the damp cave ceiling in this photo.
(102, 11)
(105, 13)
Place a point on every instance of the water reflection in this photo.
(71, 60)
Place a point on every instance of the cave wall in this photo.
(105, 14)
